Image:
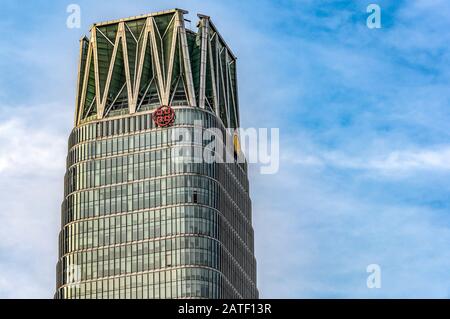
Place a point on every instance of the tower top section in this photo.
(140, 63)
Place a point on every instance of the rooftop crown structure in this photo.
(139, 63)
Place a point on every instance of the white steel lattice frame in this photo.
(209, 81)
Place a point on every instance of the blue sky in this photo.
(365, 141)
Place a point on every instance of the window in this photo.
(194, 197)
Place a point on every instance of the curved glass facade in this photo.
(138, 224)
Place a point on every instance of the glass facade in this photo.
(137, 222)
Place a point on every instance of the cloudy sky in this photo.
(364, 139)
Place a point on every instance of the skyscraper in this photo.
(138, 222)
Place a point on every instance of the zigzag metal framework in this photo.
(139, 63)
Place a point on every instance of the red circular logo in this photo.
(164, 116)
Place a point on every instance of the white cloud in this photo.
(326, 230)
(391, 162)
(32, 159)
(26, 150)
